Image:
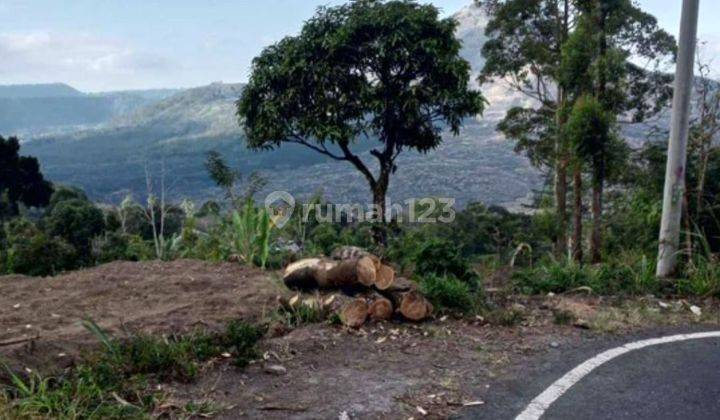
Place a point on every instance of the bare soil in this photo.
(44, 314)
(384, 370)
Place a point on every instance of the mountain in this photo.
(36, 110)
(47, 90)
(109, 156)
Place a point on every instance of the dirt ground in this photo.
(386, 370)
(44, 314)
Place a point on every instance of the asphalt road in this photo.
(668, 381)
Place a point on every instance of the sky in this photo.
(104, 45)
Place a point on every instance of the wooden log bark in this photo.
(351, 273)
(385, 277)
(380, 308)
(414, 306)
(354, 313)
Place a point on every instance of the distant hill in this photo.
(136, 130)
(37, 110)
(48, 90)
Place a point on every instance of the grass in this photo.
(630, 274)
(302, 314)
(449, 293)
(703, 278)
(116, 381)
(506, 317)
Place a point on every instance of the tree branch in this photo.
(320, 149)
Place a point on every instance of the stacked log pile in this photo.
(371, 289)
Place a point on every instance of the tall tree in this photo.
(20, 180)
(367, 71)
(525, 49)
(599, 57)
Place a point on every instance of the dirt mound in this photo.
(39, 317)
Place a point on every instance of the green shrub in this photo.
(441, 258)
(251, 234)
(628, 274)
(302, 314)
(139, 249)
(448, 292)
(34, 253)
(702, 279)
(77, 222)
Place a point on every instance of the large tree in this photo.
(387, 72)
(20, 180)
(607, 88)
(558, 51)
(524, 49)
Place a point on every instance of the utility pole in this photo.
(677, 147)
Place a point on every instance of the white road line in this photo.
(542, 402)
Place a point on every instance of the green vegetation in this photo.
(117, 382)
(584, 53)
(449, 293)
(21, 182)
(399, 84)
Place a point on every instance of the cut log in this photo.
(385, 277)
(348, 253)
(354, 313)
(414, 307)
(302, 274)
(375, 261)
(350, 273)
(401, 284)
(380, 308)
(308, 274)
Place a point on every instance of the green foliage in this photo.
(21, 181)
(441, 258)
(31, 251)
(77, 222)
(632, 223)
(400, 84)
(630, 275)
(65, 193)
(229, 179)
(116, 383)
(449, 293)
(302, 314)
(703, 279)
(251, 228)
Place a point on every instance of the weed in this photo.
(114, 383)
(448, 292)
(506, 317)
(703, 278)
(564, 317)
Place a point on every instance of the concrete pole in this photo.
(677, 147)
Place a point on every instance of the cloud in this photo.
(84, 59)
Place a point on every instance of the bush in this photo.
(119, 382)
(77, 222)
(32, 252)
(703, 279)
(441, 258)
(629, 274)
(448, 292)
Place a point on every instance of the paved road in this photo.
(668, 381)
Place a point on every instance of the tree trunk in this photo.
(379, 204)
(596, 239)
(561, 205)
(577, 214)
(561, 165)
